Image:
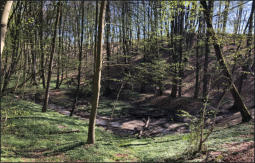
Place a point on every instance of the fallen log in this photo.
(64, 132)
(145, 127)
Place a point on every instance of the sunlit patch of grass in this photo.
(36, 136)
(45, 136)
(228, 135)
(158, 148)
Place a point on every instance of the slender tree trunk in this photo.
(225, 15)
(246, 65)
(97, 76)
(46, 98)
(174, 56)
(207, 53)
(42, 45)
(124, 39)
(80, 61)
(181, 64)
(144, 32)
(59, 50)
(247, 58)
(254, 50)
(33, 61)
(25, 63)
(241, 106)
(96, 30)
(206, 73)
(62, 53)
(197, 83)
(239, 13)
(108, 48)
(138, 26)
(5, 11)
(15, 45)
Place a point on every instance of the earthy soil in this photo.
(161, 111)
(235, 152)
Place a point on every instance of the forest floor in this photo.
(62, 138)
(125, 117)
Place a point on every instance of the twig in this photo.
(114, 105)
(145, 127)
(64, 132)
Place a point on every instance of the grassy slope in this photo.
(37, 136)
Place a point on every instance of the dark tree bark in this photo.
(174, 31)
(96, 29)
(137, 22)
(63, 53)
(144, 32)
(108, 48)
(33, 61)
(42, 45)
(241, 106)
(180, 49)
(59, 55)
(247, 59)
(46, 97)
(197, 82)
(124, 29)
(207, 54)
(80, 61)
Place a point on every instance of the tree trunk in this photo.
(247, 58)
(97, 76)
(14, 57)
(108, 48)
(25, 64)
(144, 32)
(62, 53)
(246, 65)
(59, 55)
(241, 106)
(96, 30)
(174, 55)
(80, 60)
(181, 64)
(124, 39)
(33, 61)
(207, 53)
(46, 97)
(42, 46)
(197, 83)
(5, 11)
(239, 16)
(225, 15)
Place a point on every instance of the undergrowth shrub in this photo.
(152, 74)
(86, 91)
(200, 129)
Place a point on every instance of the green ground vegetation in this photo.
(29, 135)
